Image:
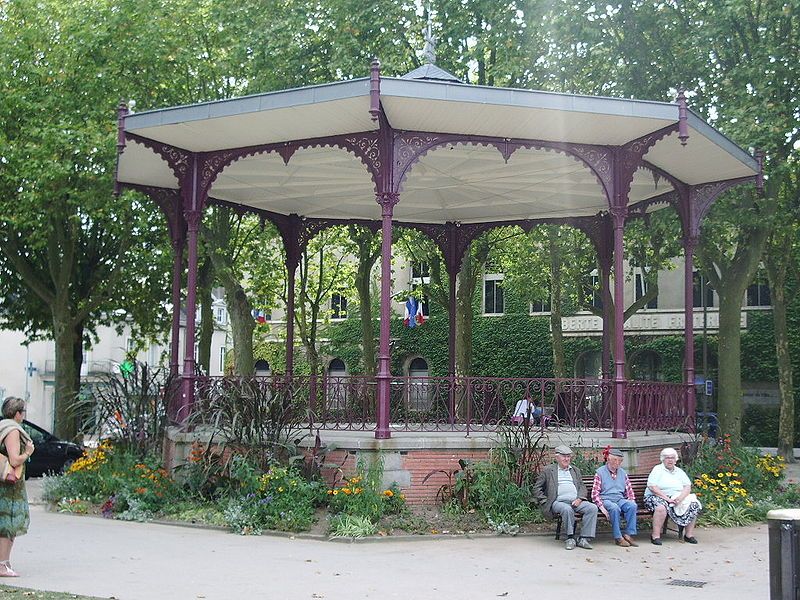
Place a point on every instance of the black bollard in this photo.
(784, 554)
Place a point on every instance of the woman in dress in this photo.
(17, 446)
(667, 488)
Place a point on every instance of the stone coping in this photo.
(451, 440)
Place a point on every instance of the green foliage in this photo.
(737, 485)
(75, 506)
(364, 496)
(275, 354)
(344, 342)
(283, 500)
(130, 408)
(351, 526)
(759, 475)
(758, 348)
(428, 341)
(192, 511)
(499, 489)
(205, 474)
(669, 348)
(731, 515)
(587, 462)
(117, 476)
(760, 425)
(494, 494)
(521, 451)
(256, 419)
(512, 346)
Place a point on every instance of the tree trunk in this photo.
(69, 358)
(204, 278)
(729, 399)
(367, 325)
(242, 327)
(464, 295)
(730, 276)
(559, 363)
(368, 253)
(775, 263)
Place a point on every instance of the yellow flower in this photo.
(388, 493)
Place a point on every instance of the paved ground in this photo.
(132, 561)
(99, 557)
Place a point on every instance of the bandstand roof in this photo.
(458, 182)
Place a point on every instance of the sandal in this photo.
(6, 570)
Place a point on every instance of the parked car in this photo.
(51, 454)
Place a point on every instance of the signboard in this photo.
(709, 387)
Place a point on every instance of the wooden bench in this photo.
(639, 485)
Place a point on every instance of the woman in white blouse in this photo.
(668, 495)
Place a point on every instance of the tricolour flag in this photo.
(410, 317)
(413, 313)
(420, 318)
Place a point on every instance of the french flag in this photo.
(413, 315)
(260, 316)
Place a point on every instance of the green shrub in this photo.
(209, 513)
(760, 425)
(364, 495)
(759, 474)
(586, 462)
(351, 526)
(736, 484)
(283, 500)
(117, 477)
(496, 496)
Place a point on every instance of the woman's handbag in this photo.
(9, 474)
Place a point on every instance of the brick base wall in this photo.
(409, 460)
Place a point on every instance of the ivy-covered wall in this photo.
(519, 345)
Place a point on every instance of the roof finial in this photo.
(683, 120)
(429, 53)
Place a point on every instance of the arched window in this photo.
(336, 385)
(646, 366)
(262, 368)
(418, 368)
(420, 394)
(589, 365)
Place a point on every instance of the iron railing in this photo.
(445, 403)
(656, 405)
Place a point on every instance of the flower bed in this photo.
(737, 485)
